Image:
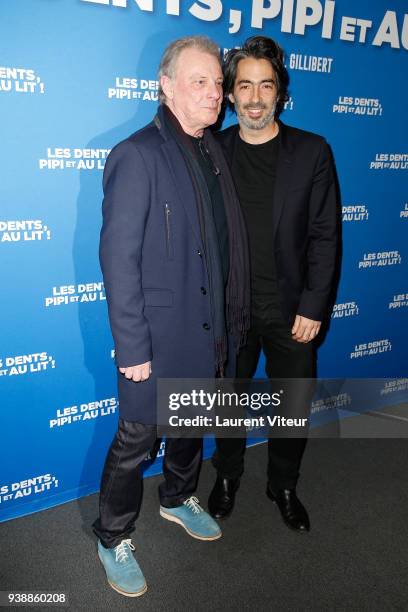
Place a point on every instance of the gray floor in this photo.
(355, 557)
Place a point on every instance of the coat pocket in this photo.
(168, 218)
(158, 297)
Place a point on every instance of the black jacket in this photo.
(304, 229)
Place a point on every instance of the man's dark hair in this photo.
(258, 47)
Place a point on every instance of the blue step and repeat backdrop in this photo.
(78, 76)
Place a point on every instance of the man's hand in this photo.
(304, 330)
(137, 373)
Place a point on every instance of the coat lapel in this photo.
(283, 170)
(182, 179)
(227, 139)
(283, 176)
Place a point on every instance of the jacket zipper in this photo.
(167, 212)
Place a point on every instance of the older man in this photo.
(174, 261)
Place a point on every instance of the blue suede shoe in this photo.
(122, 570)
(194, 519)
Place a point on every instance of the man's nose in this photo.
(255, 94)
(215, 91)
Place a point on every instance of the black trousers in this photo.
(285, 358)
(121, 485)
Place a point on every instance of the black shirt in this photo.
(254, 173)
(217, 202)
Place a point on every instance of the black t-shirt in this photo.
(254, 173)
(217, 201)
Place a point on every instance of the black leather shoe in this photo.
(222, 497)
(291, 508)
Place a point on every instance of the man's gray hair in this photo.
(170, 56)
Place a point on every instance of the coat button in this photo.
(203, 290)
(199, 253)
(206, 326)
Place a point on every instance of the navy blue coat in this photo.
(153, 267)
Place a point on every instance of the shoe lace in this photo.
(122, 550)
(193, 504)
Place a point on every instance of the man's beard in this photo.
(256, 124)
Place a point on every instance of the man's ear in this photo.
(231, 98)
(167, 86)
